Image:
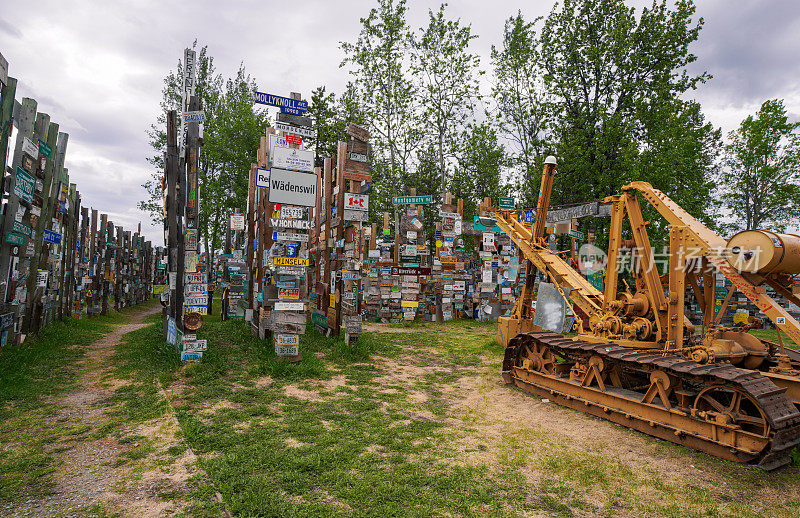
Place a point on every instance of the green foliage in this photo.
(448, 83)
(331, 117)
(761, 175)
(480, 163)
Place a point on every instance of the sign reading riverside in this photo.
(293, 105)
(292, 187)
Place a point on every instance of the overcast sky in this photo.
(97, 67)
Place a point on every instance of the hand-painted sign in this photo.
(48, 236)
(280, 102)
(292, 187)
(293, 159)
(262, 177)
(411, 200)
(357, 132)
(237, 221)
(295, 130)
(196, 116)
(356, 201)
(24, 184)
(301, 224)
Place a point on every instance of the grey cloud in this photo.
(9, 29)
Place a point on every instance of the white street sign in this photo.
(295, 130)
(289, 306)
(292, 187)
(262, 177)
(294, 159)
(290, 236)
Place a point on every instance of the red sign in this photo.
(294, 139)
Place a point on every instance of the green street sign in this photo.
(507, 203)
(24, 184)
(577, 234)
(15, 239)
(21, 228)
(411, 200)
(320, 320)
(45, 149)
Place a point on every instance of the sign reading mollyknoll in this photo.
(286, 104)
(292, 187)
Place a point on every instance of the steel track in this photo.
(674, 425)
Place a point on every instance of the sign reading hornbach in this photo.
(286, 104)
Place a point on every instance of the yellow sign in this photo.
(439, 243)
(741, 317)
(386, 285)
(289, 261)
(158, 289)
(203, 310)
(409, 303)
(447, 258)
(333, 300)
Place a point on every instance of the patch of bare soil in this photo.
(383, 328)
(87, 472)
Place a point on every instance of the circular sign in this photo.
(439, 243)
(193, 321)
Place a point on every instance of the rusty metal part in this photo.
(193, 321)
(729, 412)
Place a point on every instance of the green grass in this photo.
(31, 376)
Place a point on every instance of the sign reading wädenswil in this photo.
(292, 187)
(411, 200)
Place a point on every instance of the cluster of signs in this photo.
(291, 187)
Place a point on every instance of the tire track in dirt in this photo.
(88, 476)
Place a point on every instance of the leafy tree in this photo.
(386, 94)
(481, 160)
(331, 117)
(446, 72)
(521, 102)
(761, 175)
(610, 72)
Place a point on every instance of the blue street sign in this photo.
(51, 237)
(281, 102)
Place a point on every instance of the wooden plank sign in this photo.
(357, 132)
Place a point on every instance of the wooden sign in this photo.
(289, 306)
(291, 236)
(357, 177)
(357, 132)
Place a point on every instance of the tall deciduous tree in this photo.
(761, 175)
(481, 160)
(609, 71)
(447, 75)
(520, 109)
(378, 64)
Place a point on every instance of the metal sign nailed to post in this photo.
(286, 104)
(292, 187)
(411, 200)
(296, 130)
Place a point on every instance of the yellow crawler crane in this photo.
(641, 362)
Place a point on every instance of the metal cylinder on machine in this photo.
(764, 251)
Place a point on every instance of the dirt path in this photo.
(92, 477)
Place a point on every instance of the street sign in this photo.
(577, 234)
(292, 187)
(356, 201)
(296, 130)
(293, 159)
(21, 228)
(24, 184)
(507, 203)
(293, 117)
(48, 236)
(262, 177)
(15, 239)
(237, 221)
(280, 102)
(45, 149)
(410, 270)
(411, 200)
